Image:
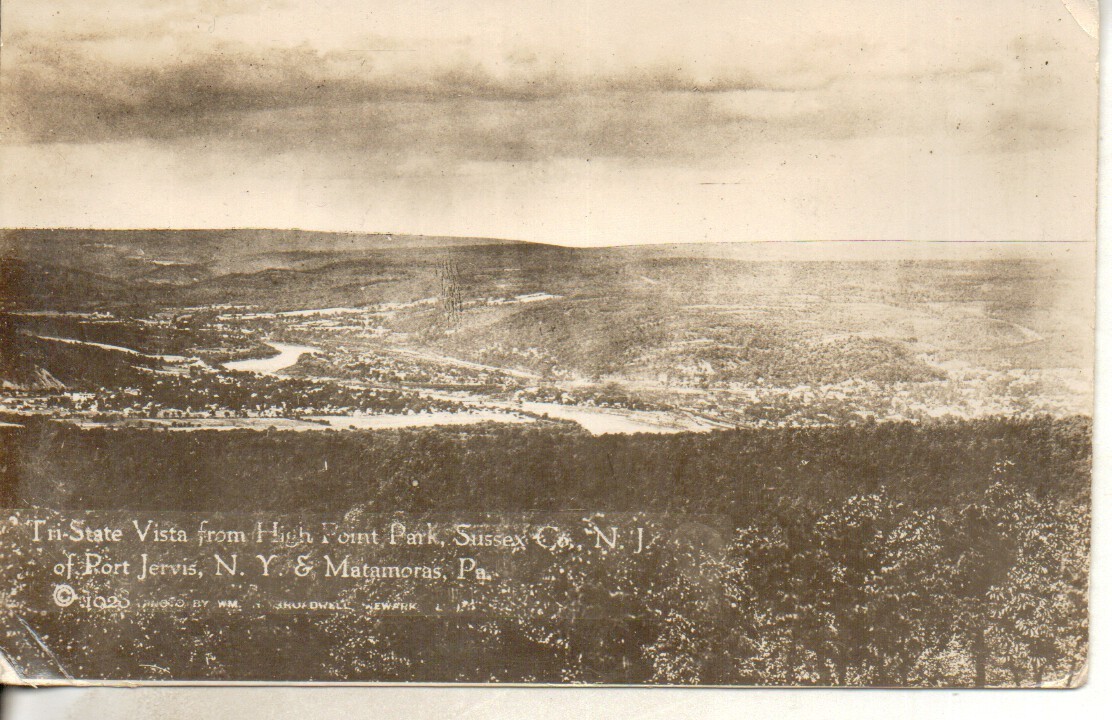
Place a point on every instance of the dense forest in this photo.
(947, 553)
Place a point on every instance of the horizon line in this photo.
(800, 241)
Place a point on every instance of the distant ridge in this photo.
(259, 239)
(198, 244)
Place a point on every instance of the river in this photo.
(287, 355)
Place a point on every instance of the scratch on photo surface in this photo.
(45, 649)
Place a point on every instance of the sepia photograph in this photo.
(715, 343)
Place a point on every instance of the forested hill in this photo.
(940, 554)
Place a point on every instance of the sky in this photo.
(580, 122)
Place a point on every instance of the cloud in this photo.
(458, 82)
(697, 119)
(269, 99)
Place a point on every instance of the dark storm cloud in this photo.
(58, 94)
(279, 98)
